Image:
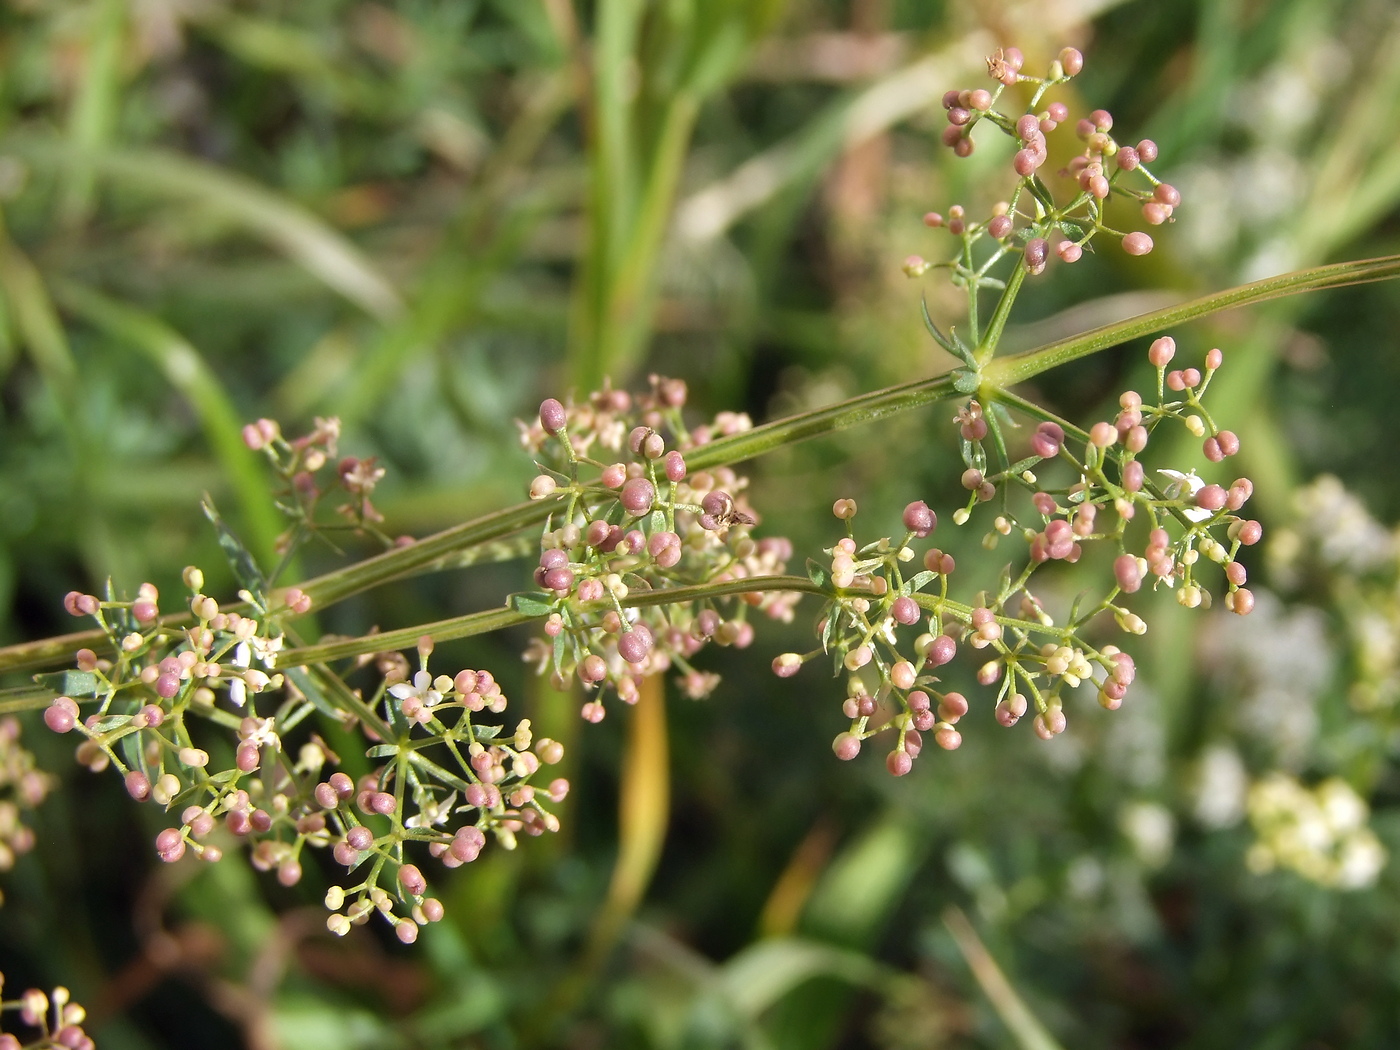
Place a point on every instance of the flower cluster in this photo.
(1032, 222)
(1031, 656)
(632, 519)
(310, 470)
(58, 1019)
(1320, 833)
(196, 720)
(22, 787)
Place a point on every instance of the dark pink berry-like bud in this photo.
(665, 547)
(1000, 226)
(1027, 127)
(1128, 573)
(1241, 602)
(343, 785)
(940, 651)
(592, 668)
(1167, 194)
(1058, 112)
(951, 98)
(144, 611)
(1155, 214)
(1161, 351)
(1127, 158)
(846, 746)
(613, 475)
(948, 738)
(952, 707)
(1047, 440)
(1240, 491)
(1211, 448)
(1147, 150)
(1211, 497)
(1037, 252)
(382, 802)
(247, 758)
(553, 417)
(675, 466)
(899, 763)
(1236, 574)
(61, 715)
(1071, 61)
(360, 838)
(919, 519)
(325, 796)
(919, 701)
(905, 610)
(959, 116)
(1229, 443)
(634, 645)
(138, 785)
(170, 845)
(561, 580)
(1069, 252)
(933, 220)
(1024, 163)
(167, 685)
(411, 879)
(637, 496)
(554, 558)
(1137, 243)
(1132, 475)
(1247, 532)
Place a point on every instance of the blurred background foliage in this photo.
(422, 217)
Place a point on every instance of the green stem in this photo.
(988, 345)
(866, 408)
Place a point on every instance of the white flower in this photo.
(431, 812)
(266, 650)
(422, 688)
(261, 731)
(1183, 486)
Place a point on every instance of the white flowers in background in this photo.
(1151, 829)
(1222, 784)
(1320, 833)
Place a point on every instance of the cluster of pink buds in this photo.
(311, 469)
(56, 1018)
(22, 787)
(1028, 654)
(636, 521)
(166, 695)
(1032, 221)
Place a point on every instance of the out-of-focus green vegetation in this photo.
(422, 217)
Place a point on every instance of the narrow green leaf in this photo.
(77, 684)
(532, 604)
(920, 580)
(817, 574)
(382, 751)
(245, 569)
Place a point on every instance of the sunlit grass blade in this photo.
(289, 228)
(1023, 1025)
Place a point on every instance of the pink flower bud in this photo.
(637, 496)
(1137, 243)
(553, 417)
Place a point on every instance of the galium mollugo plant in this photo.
(645, 551)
